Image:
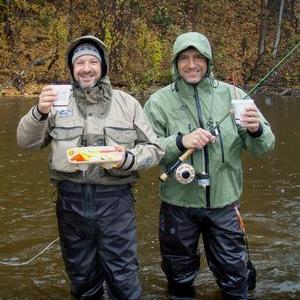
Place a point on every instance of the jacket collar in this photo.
(187, 90)
(100, 94)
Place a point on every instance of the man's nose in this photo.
(86, 66)
(191, 63)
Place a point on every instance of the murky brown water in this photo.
(270, 207)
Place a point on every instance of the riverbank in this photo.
(33, 90)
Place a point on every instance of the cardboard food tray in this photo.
(93, 155)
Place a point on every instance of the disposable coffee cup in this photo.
(63, 95)
(239, 106)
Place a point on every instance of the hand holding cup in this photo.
(46, 99)
(246, 114)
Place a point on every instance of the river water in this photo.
(270, 206)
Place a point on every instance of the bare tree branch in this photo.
(278, 32)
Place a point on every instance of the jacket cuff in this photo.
(128, 161)
(257, 133)
(38, 115)
(179, 142)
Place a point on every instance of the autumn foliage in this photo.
(34, 37)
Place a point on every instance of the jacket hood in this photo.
(195, 40)
(98, 44)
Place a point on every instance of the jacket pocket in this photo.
(120, 136)
(64, 138)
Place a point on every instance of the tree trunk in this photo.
(296, 12)
(278, 32)
(6, 19)
(71, 20)
(263, 29)
(262, 36)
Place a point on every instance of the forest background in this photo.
(248, 38)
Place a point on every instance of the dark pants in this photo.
(179, 233)
(98, 240)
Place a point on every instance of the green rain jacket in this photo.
(172, 110)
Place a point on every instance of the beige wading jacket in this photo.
(94, 117)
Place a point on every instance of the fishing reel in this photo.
(186, 174)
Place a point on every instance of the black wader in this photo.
(98, 240)
(179, 232)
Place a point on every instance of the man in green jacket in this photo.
(182, 115)
(95, 205)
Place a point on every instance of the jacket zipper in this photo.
(205, 149)
(192, 156)
(222, 145)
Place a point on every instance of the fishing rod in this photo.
(190, 151)
(284, 59)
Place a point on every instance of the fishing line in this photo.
(30, 260)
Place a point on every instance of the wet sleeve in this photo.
(32, 133)
(259, 142)
(147, 151)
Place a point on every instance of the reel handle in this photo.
(186, 154)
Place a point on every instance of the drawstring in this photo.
(243, 228)
(174, 86)
(252, 271)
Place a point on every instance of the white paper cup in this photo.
(63, 94)
(239, 106)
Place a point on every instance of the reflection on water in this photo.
(269, 205)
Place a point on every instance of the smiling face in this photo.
(87, 70)
(192, 66)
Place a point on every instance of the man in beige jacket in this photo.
(95, 206)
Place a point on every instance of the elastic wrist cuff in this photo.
(128, 161)
(257, 133)
(179, 143)
(38, 115)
